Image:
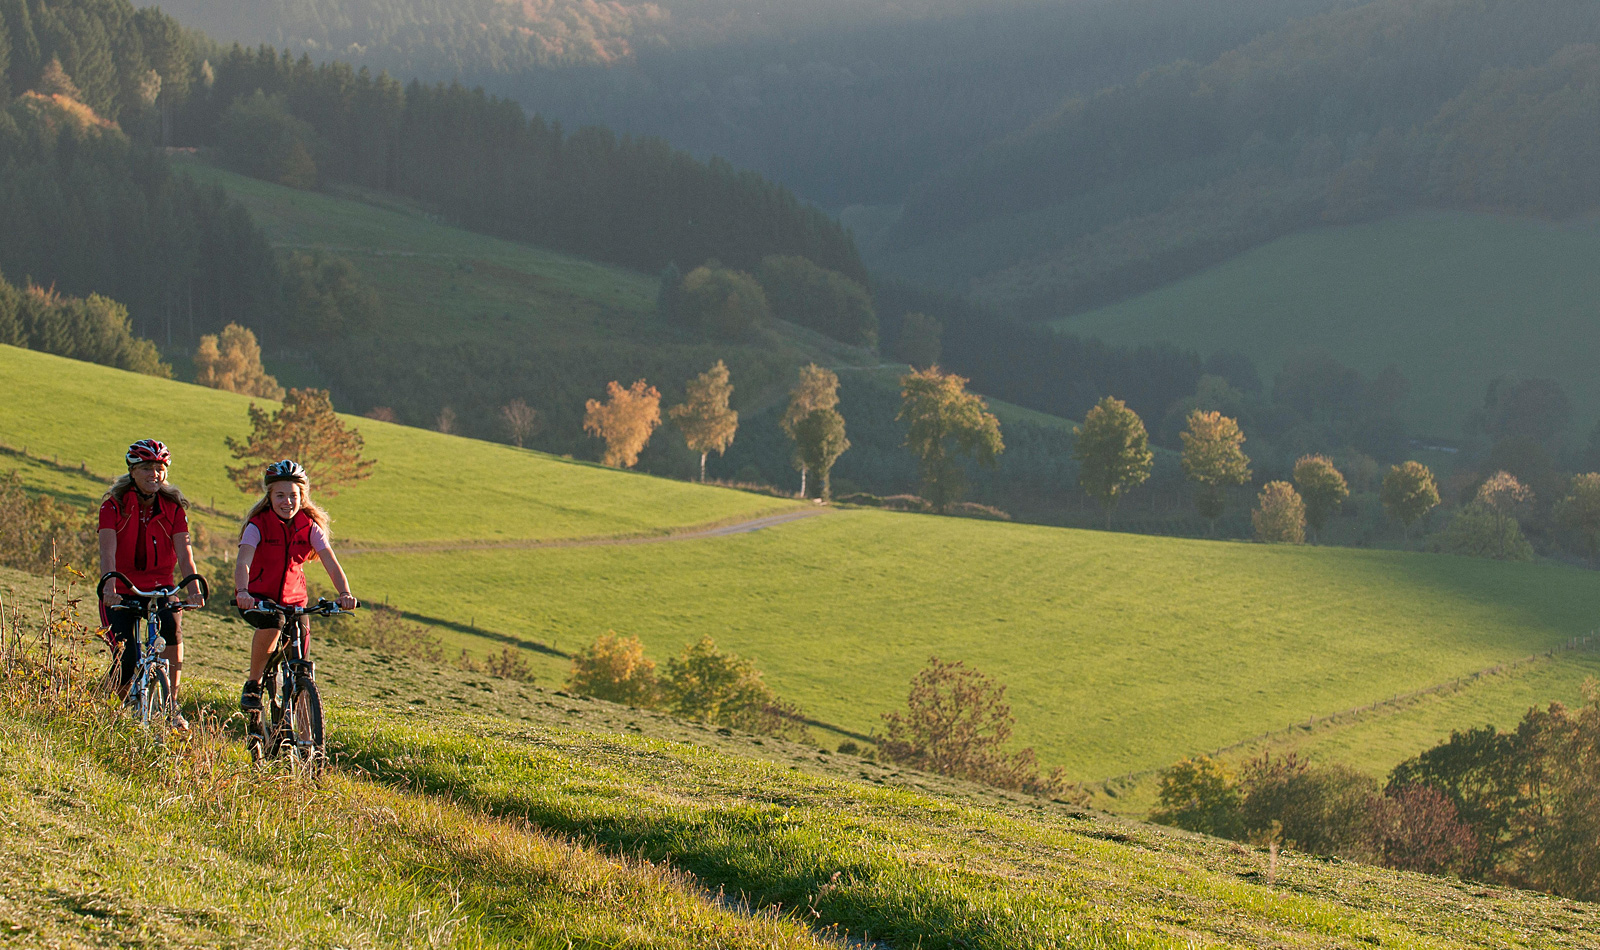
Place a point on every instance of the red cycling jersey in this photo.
(277, 572)
(145, 552)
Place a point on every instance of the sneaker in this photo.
(178, 722)
(250, 699)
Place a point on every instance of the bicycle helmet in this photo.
(148, 450)
(287, 470)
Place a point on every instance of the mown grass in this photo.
(1452, 299)
(1121, 653)
(444, 829)
(426, 487)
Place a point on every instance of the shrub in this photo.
(957, 723)
(1416, 828)
(385, 630)
(1200, 795)
(1322, 809)
(615, 668)
(1280, 516)
(824, 300)
(38, 531)
(725, 303)
(704, 683)
(508, 664)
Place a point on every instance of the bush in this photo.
(704, 683)
(1416, 828)
(36, 532)
(1200, 795)
(1322, 809)
(1476, 530)
(725, 303)
(824, 300)
(957, 723)
(385, 630)
(615, 669)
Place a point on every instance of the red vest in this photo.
(160, 557)
(277, 572)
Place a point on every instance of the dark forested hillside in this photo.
(843, 100)
(486, 165)
(1476, 104)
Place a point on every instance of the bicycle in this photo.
(288, 683)
(150, 690)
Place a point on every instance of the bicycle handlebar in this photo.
(173, 591)
(323, 608)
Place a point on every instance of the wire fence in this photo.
(1588, 642)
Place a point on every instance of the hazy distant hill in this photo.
(1398, 104)
(844, 101)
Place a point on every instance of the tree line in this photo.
(1516, 807)
(95, 329)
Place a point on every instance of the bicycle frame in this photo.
(274, 726)
(150, 660)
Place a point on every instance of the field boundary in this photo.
(1394, 703)
(82, 468)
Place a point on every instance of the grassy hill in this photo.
(541, 825)
(1453, 299)
(1122, 653)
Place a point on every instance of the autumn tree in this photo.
(958, 723)
(520, 420)
(820, 440)
(920, 340)
(1322, 487)
(1214, 460)
(1113, 453)
(231, 361)
(1580, 510)
(1503, 495)
(1408, 493)
(708, 425)
(625, 421)
(1280, 515)
(446, 421)
(615, 668)
(1200, 795)
(307, 430)
(818, 388)
(944, 421)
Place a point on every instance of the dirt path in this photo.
(689, 534)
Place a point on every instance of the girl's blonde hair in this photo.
(314, 511)
(124, 483)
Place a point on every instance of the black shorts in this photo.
(125, 625)
(272, 619)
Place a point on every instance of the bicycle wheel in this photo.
(155, 698)
(304, 721)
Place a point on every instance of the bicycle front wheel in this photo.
(305, 721)
(155, 698)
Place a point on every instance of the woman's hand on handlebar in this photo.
(347, 601)
(111, 598)
(244, 600)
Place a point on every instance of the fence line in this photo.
(1590, 641)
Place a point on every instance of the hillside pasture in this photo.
(1452, 299)
(426, 487)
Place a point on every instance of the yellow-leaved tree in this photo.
(231, 361)
(625, 421)
(707, 423)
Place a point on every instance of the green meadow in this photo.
(1121, 653)
(1453, 299)
(551, 821)
(427, 486)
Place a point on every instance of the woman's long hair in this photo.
(314, 511)
(124, 484)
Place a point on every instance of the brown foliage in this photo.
(957, 723)
(520, 420)
(1416, 828)
(37, 532)
(625, 421)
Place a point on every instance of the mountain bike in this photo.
(150, 690)
(291, 717)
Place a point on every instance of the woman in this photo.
(144, 534)
(283, 531)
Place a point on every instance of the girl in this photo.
(283, 531)
(144, 533)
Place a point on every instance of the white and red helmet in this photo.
(148, 450)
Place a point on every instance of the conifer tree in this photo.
(707, 423)
(304, 429)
